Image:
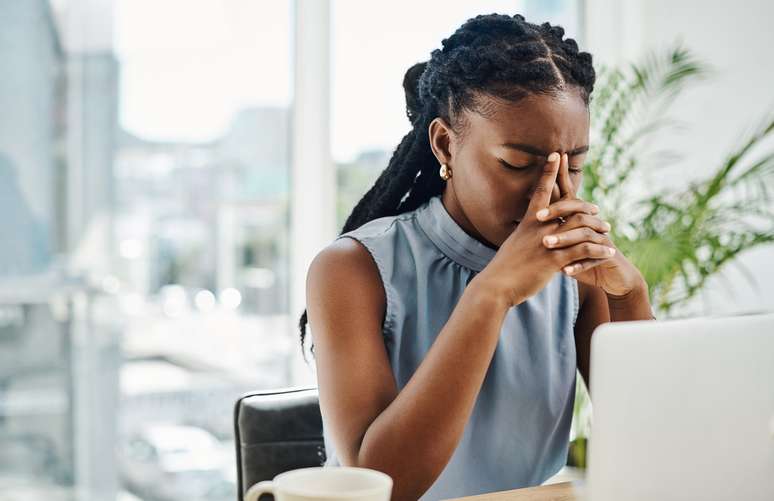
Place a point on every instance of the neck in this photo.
(454, 208)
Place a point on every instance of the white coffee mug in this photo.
(325, 484)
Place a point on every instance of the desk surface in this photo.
(565, 491)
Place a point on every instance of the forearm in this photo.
(634, 305)
(413, 439)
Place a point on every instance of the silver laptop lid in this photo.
(683, 409)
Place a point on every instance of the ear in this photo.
(442, 139)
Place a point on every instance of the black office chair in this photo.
(276, 431)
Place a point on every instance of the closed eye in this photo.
(513, 167)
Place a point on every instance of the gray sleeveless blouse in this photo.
(518, 432)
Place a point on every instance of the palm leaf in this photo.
(680, 238)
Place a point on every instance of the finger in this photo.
(584, 250)
(581, 266)
(556, 194)
(541, 197)
(575, 236)
(580, 220)
(566, 188)
(566, 208)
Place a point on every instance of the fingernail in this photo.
(542, 213)
(611, 251)
(607, 226)
(568, 269)
(595, 208)
(553, 157)
(551, 239)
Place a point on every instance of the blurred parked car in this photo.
(169, 462)
(31, 456)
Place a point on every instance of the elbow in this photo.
(401, 491)
(409, 482)
(412, 474)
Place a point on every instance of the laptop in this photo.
(682, 410)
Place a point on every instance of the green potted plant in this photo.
(678, 237)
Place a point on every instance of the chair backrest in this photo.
(276, 431)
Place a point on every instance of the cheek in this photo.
(485, 192)
(479, 192)
(478, 179)
(509, 197)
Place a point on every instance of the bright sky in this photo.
(188, 65)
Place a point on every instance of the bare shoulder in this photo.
(590, 295)
(593, 309)
(582, 291)
(343, 251)
(593, 312)
(343, 282)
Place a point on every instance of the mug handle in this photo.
(254, 492)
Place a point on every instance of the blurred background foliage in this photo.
(677, 237)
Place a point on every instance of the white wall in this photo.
(735, 38)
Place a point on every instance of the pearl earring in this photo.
(445, 172)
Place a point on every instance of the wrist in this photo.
(635, 294)
(488, 293)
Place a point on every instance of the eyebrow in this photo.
(537, 151)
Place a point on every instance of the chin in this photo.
(511, 226)
(498, 239)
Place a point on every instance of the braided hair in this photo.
(497, 55)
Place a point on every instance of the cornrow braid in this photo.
(494, 54)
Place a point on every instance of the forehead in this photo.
(548, 122)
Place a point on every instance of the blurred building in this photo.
(36, 419)
(32, 97)
(208, 216)
(54, 414)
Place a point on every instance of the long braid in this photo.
(498, 55)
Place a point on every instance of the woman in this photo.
(451, 314)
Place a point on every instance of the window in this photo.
(145, 173)
(145, 276)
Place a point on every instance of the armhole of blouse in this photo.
(389, 294)
(575, 299)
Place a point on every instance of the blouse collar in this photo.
(450, 238)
